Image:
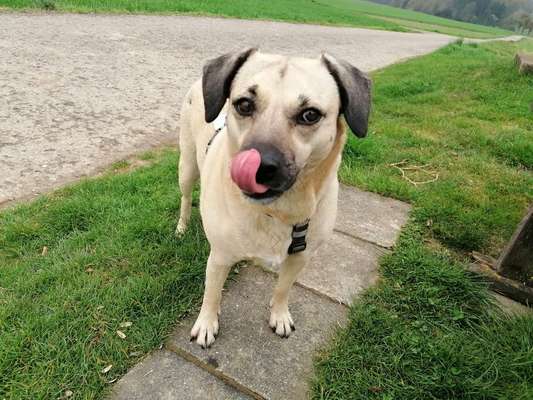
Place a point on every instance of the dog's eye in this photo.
(244, 107)
(309, 116)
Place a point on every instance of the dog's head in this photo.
(283, 114)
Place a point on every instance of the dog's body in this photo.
(272, 167)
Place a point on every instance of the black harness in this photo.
(299, 231)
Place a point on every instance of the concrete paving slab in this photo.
(166, 376)
(371, 217)
(342, 268)
(248, 353)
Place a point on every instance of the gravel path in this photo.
(78, 92)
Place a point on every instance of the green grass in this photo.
(425, 332)
(466, 112)
(357, 13)
(111, 257)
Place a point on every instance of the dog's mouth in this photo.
(261, 177)
(271, 194)
(266, 197)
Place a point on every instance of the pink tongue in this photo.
(244, 167)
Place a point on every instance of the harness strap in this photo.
(299, 231)
(211, 140)
(219, 123)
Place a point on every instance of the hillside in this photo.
(509, 14)
(357, 13)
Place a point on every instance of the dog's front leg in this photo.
(280, 318)
(205, 328)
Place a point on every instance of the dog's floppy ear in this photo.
(216, 80)
(355, 93)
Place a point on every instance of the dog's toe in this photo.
(281, 322)
(205, 330)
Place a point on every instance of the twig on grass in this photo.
(404, 169)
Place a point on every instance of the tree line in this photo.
(510, 14)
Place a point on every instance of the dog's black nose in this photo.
(268, 170)
(273, 170)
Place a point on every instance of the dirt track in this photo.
(80, 91)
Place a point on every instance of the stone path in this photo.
(248, 361)
(78, 92)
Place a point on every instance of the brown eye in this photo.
(309, 117)
(244, 107)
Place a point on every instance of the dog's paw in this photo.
(180, 229)
(205, 330)
(281, 321)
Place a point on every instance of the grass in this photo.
(357, 13)
(466, 112)
(428, 330)
(77, 263)
(110, 257)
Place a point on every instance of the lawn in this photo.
(78, 263)
(357, 13)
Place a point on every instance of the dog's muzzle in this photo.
(262, 172)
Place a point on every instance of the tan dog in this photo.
(269, 176)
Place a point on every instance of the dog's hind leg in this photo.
(188, 175)
(280, 318)
(188, 167)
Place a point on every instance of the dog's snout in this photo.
(274, 170)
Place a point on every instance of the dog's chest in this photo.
(266, 240)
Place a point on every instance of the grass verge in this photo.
(76, 264)
(357, 13)
(428, 331)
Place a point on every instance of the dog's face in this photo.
(282, 118)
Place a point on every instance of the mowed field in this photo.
(355, 13)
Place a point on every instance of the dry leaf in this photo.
(121, 334)
(126, 324)
(89, 270)
(112, 380)
(107, 369)
(135, 353)
(45, 251)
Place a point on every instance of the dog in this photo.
(264, 133)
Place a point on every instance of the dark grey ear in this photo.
(216, 81)
(355, 93)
